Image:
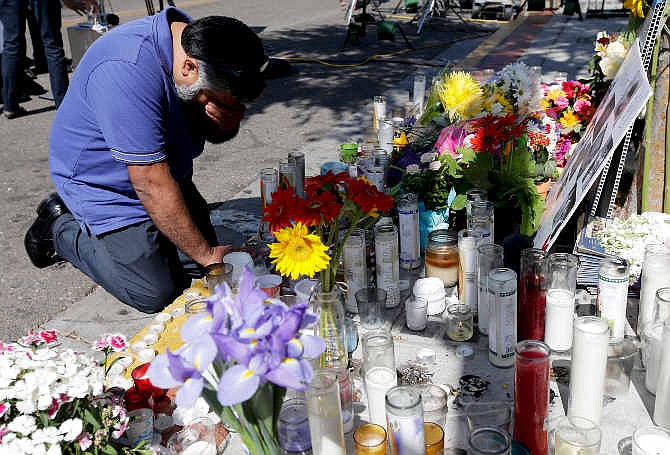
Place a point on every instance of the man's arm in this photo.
(162, 198)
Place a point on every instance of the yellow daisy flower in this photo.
(569, 120)
(297, 252)
(497, 97)
(635, 6)
(461, 95)
(555, 93)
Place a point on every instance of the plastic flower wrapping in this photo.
(52, 401)
(310, 232)
(240, 356)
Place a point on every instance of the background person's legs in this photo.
(12, 15)
(48, 15)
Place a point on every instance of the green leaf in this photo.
(109, 450)
(459, 202)
(91, 420)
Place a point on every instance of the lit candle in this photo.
(588, 367)
(378, 381)
(662, 405)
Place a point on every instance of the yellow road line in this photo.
(475, 57)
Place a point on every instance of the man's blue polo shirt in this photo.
(121, 108)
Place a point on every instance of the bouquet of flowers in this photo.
(308, 230)
(52, 402)
(241, 355)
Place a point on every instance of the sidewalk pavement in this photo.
(557, 43)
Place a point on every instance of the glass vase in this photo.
(329, 306)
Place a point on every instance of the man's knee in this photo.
(153, 299)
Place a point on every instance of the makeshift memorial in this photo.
(309, 241)
(240, 357)
(489, 257)
(54, 400)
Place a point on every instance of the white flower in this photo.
(435, 165)
(413, 169)
(23, 424)
(610, 66)
(71, 429)
(46, 435)
(54, 450)
(428, 157)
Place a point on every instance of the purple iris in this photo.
(249, 338)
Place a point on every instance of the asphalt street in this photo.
(294, 112)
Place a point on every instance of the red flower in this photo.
(491, 132)
(321, 207)
(368, 197)
(327, 182)
(284, 207)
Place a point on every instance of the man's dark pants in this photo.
(13, 15)
(136, 264)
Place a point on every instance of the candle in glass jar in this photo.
(415, 311)
(531, 395)
(489, 257)
(442, 257)
(370, 439)
(404, 418)
(325, 413)
(652, 338)
(560, 312)
(613, 295)
(387, 262)
(502, 318)
(468, 241)
(378, 381)
(662, 404)
(531, 296)
(588, 368)
(355, 266)
(408, 230)
(459, 322)
(654, 276)
(651, 441)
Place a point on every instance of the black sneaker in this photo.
(39, 239)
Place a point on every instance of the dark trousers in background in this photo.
(47, 13)
(136, 264)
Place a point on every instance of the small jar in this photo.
(404, 416)
(442, 257)
(378, 350)
(481, 218)
(293, 426)
(415, 312)
(490, 441)
(459, 322)
(613, 295)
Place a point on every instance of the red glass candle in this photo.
(532, 295)
(531, 395)
(142, 383)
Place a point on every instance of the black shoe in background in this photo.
(39, 239)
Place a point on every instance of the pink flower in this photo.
(562, 102)
(53, 409)
(49, 336)
(102, 343)
(3, 431)
(450, 139)
(120, 428)
(85, 441)
(582, 106)
(4, 407)
(117, 342)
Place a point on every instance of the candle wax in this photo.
(651, 444)
(531, 308)
(377, 382)
(531, 403)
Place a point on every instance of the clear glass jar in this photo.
(442, 256)
(588, 368)
(481, 218)
(298, 161)
(489, 257)
(416, 313)
(325, 413)
(468, 241)
(613, 295)
(532, 288)
(408, 230)
(502, 319)
(654, 276)
(662, 304)
(574, 435)
(330, 309)
(404, 417)
(459, 325)
(293, 426)
(355, 267)
(531, 395)
(662, 404)
(286, 174)
(378, 350)
(489, 441)
(387, 261)
(652, 343)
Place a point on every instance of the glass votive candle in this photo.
(404, 418)
(416, 311)
(218, 273)
(442, 257)
(293, 426)
(434, 400)
(651, 441)
(150, 338)
(489, 414)
(489, 441)
(162, 318)
(433, 438)
(620, 362)
(459, 325)
(370, 439)
(573, 435)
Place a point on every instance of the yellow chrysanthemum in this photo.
(297, 252)
(555, 93)
(635, 6)
(461, 95)
(497, 97)
(569, 120)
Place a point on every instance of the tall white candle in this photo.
(560, 310)
(662, 405)
(653, 341)
(588, 367)
(654, 277)
(377, 382)
(325, 414)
